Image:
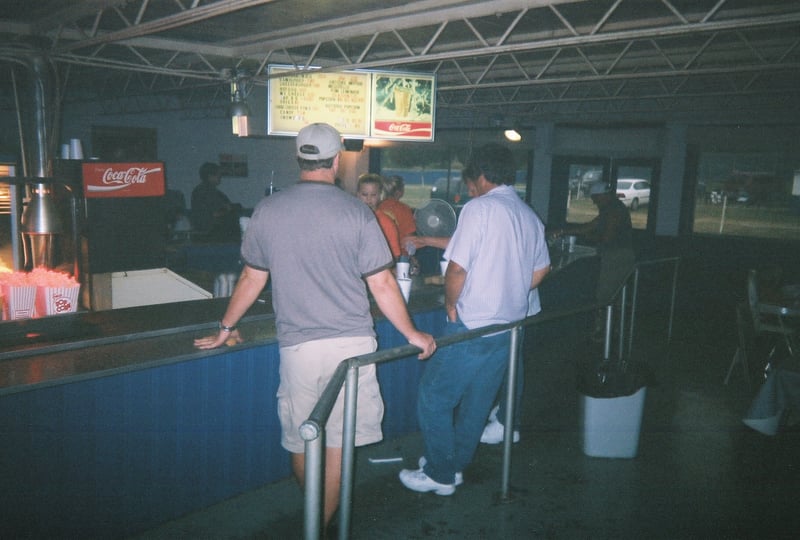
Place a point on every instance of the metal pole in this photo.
(607, 340)
(623, 302)
(348, 450)
(508, 422)
(672, 301)
(313, 487)
(634, 299)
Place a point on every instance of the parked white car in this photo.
(633, 192)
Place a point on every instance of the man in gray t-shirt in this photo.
(322, 248)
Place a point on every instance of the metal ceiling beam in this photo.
(185, 17)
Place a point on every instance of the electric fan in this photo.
(435, 218)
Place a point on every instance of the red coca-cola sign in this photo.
(123, 179)
(400, 129)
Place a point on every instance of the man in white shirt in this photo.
(497, 254)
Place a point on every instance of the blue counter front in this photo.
(113, 455)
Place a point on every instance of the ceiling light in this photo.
(239, 111)
(512, 135)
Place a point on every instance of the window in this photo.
(747, 194)
(433, 170)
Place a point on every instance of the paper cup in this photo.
(402, 269)
(75, 149)
(64, 151)
(405, 287)
(444, 264)
(572, 240)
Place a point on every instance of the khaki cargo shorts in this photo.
(305, 369)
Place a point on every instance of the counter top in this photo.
(77, 346)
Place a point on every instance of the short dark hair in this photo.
(208, 169)
(313, 164)
(494, 161)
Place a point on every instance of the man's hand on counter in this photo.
(219, 339)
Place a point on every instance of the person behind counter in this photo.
(213, 216)
(319, 322)
(496, 255)
(400, 212)
(612, 233)
(370, 190)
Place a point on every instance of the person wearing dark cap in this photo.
(213, 216)
(612, 234)
(294, 236)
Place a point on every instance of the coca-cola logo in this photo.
(119, 179)
(400, 128)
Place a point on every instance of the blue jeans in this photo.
(456, 392)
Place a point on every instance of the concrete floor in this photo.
(699, 472)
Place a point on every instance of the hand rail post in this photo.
(607, 337)
(313, 487)
(508, 421)
(634, 299)
(623, 305)
(348, 450)
(672, 300)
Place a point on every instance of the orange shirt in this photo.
(390, 231)
(403, 216)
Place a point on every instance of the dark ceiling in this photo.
(532, 59)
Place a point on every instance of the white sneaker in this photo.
(417, 480)
(494, 432)
(459, 476)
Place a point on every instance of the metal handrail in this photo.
(346, 373)
(312, 429)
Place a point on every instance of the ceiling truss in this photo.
(532, 57)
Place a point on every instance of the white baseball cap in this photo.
(318, 141)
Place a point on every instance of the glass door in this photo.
(636, 183)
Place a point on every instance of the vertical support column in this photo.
(671, 182)
(542, 168)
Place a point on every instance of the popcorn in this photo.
(18, 296)
(37, 293)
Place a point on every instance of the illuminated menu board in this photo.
(360, 104)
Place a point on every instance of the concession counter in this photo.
(111, 422)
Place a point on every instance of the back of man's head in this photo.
(207, 170)
(495, 162)
(319, 143)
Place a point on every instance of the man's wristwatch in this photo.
(224, 328)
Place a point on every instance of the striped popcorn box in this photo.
(56, 300)
(18, 301)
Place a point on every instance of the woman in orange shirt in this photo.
(370, 190)
(401, 212)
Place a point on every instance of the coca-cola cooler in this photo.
(125, 222)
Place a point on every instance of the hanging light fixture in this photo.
(239, 111)
(510, 131)
(512, 135)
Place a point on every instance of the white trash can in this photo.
(611, 425)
